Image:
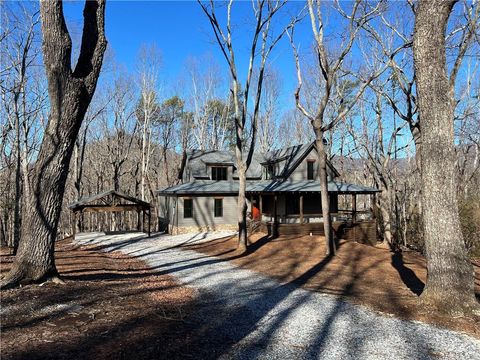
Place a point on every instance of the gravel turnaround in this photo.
(243, 315)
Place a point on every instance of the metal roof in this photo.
(231, 187)
(104, 195)
(197, 161)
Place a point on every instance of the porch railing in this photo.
(340, 215)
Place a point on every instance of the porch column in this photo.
(138, 220)
(143, 220)
(74, 224)
(354, 207)
(374, 205)
(301, 209)
(149, 220)
(275, 231)
(260, 200)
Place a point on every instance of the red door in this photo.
(256, 212)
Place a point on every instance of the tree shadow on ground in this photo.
(242, 318)
(409, 278)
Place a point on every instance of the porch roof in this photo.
(205, 187)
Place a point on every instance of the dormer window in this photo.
(269, 172)
(310, 174)
(219, 173)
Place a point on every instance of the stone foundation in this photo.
(177, 230)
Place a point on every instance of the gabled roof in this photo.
(231, 187)
(107, 197)
(293, 156)
(198, 161)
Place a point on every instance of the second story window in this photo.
(310, 174)
(219, 173)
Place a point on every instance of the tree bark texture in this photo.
(325, 198)
(242, 210)
(450, 280)
(70, 93)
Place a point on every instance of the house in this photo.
(283, 194)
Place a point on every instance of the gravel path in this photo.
(244, 315)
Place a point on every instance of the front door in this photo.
(256, 211)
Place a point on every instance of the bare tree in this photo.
(467, 131)
(269, 109)
(330, 66)
(374, 141)
(293, 123)
(205, 99)
(149, 66)
(169, 123)
(23, 98)
(70, 93)
(450, 279)
(117, 128)
(262, 43)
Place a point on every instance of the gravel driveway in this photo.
(244, 315)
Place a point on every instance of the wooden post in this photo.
(261, 207)
(274, 230)
(301, 209)
(374, 205)
(149, 221)
(74, 224)
(143, 220)
(354, 207)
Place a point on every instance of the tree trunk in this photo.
(450, 280)
(384, 201)
(18, 190)
(3, 237)
(325, 198)
(70, 93)
(242, 208)
(116, 177)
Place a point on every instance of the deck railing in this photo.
(340, 215)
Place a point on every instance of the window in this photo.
(218, 208)
(219, 173)
(187, 208)
(310, 169)
(269, 172)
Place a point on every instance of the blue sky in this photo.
(180, 29)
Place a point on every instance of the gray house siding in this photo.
(300, 173)
(167, 209)
(203, 212)
(198, 186)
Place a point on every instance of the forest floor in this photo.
(375, 277)
(180, 297)
(110, 307)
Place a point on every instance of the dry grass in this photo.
(374, 277)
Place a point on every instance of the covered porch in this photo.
(297, 210)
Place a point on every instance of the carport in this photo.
(112, 201)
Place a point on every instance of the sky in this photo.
(180, 30)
